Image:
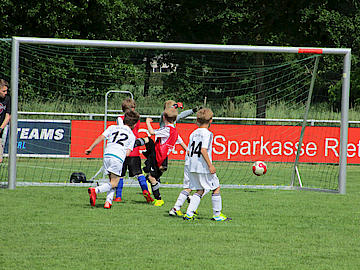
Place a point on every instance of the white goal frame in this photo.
(345, 52)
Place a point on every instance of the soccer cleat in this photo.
(175, 213)
(221, 217)
(147, 196)
(92, 194)
(107, 205)
(158, 202)
(117, 199)
(187, 217)
(196, 213)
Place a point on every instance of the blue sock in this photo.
(142, 182)
(120, 188)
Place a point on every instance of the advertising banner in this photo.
(46, 138)
(243, 142)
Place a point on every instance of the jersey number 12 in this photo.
(123, 137)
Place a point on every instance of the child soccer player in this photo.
(165, 140)
(133, 161)
(172, 104)
(120, 142)
(199, 171)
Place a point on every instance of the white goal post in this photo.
(345, 52)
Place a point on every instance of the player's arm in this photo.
(184, 146)
(205, 155)
(128, 152)
(6, 120)
(119, 121)
(181, 142)
(4, 123)
(131, 145)
(95, 143)
(149, 127)
(184, 114)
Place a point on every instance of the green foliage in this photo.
(300, 23)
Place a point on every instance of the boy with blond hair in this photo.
(199, 171)
(156, 152)
(132, 162)
(173, 104)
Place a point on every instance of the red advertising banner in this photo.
(242, 142)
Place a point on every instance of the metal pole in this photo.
(14, 111)
(344, 123)
(308, 102)
(181, 46)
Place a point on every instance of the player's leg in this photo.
(144, 187)
(141, 141)
(106, 187)
(164, 165)
(153, 171)
(119, 188)
(216, 202)
(176, 210)
(183, 196)
(194, 204)
(134, 166)
(194, 183)
(155, 187)
(114, 181)
(112, 166)
(1, 147)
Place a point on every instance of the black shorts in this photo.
(165, 164)
(151, 166)
(133, 164)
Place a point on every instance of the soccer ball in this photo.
(259, 168)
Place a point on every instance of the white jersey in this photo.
(200, 138)
(119, 140)
(164, 133)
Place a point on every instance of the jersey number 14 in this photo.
(195, 149)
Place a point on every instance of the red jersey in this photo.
(136, 151)
(163, 150)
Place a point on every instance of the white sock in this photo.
(181, 199)
(110, 195)
(103, 188)
(216, 204)
(194, 204)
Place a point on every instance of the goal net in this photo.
(266, 102)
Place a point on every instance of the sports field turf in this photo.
(55, 228)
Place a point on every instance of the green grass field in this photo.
(55, 228)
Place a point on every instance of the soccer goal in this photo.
(267, 104)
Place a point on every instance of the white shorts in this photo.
(197, 181)
(112, 165)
